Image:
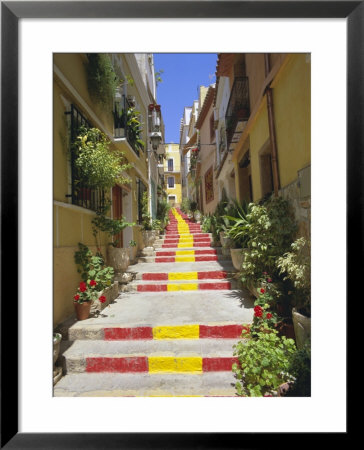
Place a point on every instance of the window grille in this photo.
(81, 194)
(170, 182)
(170, 165)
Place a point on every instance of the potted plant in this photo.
(132, 250)
(237, 232)
(92, 267)
(57, 371)
(263, 363)
(86, 294)
(295, 265)
(118, 257)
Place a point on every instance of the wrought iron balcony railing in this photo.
(124, 127)
(238, 110)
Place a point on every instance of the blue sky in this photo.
(183, 74)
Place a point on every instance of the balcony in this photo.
(238, 111)
(127, 125)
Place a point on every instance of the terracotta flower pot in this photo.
(82, 310)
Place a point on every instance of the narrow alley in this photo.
(171, 333)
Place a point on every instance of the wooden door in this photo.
(117, 211)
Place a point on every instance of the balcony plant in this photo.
(102, 80)
(134, 129)
(97, 165)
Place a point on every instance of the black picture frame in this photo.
(11, 12)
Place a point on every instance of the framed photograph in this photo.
(332, 34)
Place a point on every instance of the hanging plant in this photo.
(102, 80)
(97, 165)
(135, 129)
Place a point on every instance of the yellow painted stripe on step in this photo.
(184, 259)
(182, 287)
(182, 275)
(185, 252)
(185, 245)
(177, 332)
(171, 364)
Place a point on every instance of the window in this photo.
(81, 195)
(170, 182)
(170, 165)
(171, 199)
(141, 188)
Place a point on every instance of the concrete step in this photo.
(151, 356)
(181, 259)
(181, 285)
(182, 275)
(205, 266)
(151, 309)
(214, 384)
(116, 332)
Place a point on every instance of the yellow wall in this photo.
(292, 112)
(292, 109)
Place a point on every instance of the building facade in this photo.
(75, 104)
(172, 174)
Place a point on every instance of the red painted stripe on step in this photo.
(205, 258)
(119, 365)
(211, 275)
(220, 331)
(152, 288)
(202, 244)
(217, 364)
(118, 334)
(165, 253)
(215, 286)
(206, 252)
(164, 260)
(155, 276)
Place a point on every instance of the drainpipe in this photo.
(272, 131)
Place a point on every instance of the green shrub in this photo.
(263, 363)
(300, 369)
(93, 268)
(97, 165)
(295, 265)
(271, 229)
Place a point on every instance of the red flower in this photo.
(76, 297)
(262, 290)
(269, 280)
(269, 316)
(83, 286)
(258, 311)
(93, 283)
(102, 299)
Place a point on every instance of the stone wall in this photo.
(299, 194)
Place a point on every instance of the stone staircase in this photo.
(157, 339)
